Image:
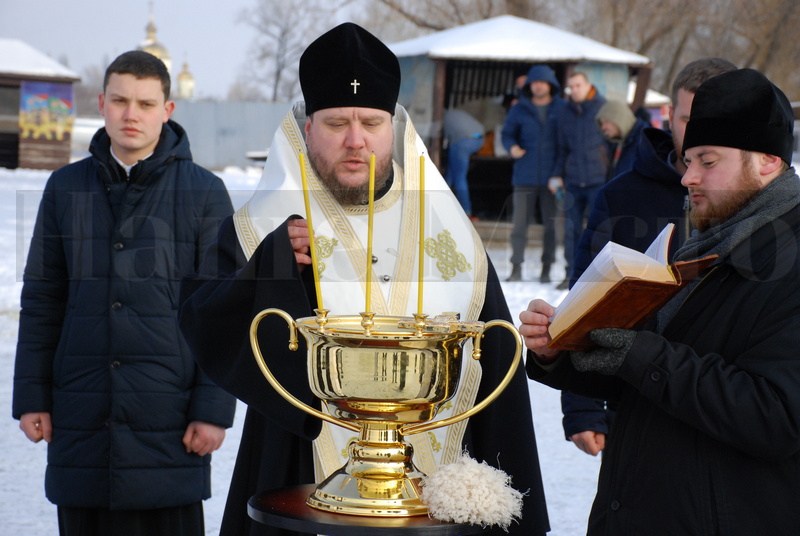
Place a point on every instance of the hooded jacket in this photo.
(99, 346)
(630, 126)
(524, 127)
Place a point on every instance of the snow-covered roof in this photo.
(510, 38)
(652, 98)
(20, 59)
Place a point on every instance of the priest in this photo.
(350, 82)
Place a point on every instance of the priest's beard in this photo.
(350, 195)
(747, 185)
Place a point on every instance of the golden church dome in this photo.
(151, 44)
(185, 83)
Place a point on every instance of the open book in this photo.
(621, 288)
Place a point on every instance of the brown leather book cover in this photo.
(628, 305)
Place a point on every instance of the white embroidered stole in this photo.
(455, 263)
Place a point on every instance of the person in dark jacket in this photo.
(631, 210)
(529, 135)
(102, 372)
(706, 438)
(622, 128)
(584, 160)
(262, 259)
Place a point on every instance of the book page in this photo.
(612, 264)
(659, 248)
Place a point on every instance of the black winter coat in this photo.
(634, 207)
(626, 151)
(630, 210)
(706, 439)
(99, 346)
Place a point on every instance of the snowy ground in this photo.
(569, 475)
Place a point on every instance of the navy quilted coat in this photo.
(525, 128)
(99, 346)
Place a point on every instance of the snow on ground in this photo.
(570, 476)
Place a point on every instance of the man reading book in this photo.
(707, 434)
(631, 210)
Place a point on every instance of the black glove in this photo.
(614, 345)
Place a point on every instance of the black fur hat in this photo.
(744, 110)
(348, 66)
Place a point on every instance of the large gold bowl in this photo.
(383, 377)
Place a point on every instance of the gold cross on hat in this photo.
(355, 83)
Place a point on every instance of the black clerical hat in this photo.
(744, 110)
(348, 66)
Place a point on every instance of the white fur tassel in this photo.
(470, 492)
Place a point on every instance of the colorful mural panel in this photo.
(46, 111)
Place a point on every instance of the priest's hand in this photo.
(298, 235)
(534, 329)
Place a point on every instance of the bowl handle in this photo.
(476, 354)
(271, 378)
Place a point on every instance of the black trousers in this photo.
(526, 201)
(176, 521)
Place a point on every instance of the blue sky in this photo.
(206, 33)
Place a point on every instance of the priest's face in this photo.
(340, 142)
(721, 181)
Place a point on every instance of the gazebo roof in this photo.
(21, 60)
(510, 38)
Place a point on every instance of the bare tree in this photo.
(434, 16)
(244, 90)
(283, 33)
(768, 36)
(750, 33)
(652, 29)
(86, 92)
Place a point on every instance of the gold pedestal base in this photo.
(287, 509)
(343, 494)
(378, 480)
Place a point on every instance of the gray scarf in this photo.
(773, 201)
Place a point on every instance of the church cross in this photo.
(355, 83)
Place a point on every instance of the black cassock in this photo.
(217, 308)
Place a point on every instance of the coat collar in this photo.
(173, 144)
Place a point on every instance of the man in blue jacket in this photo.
(529, 135)
(583, 162)
(102, 373)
